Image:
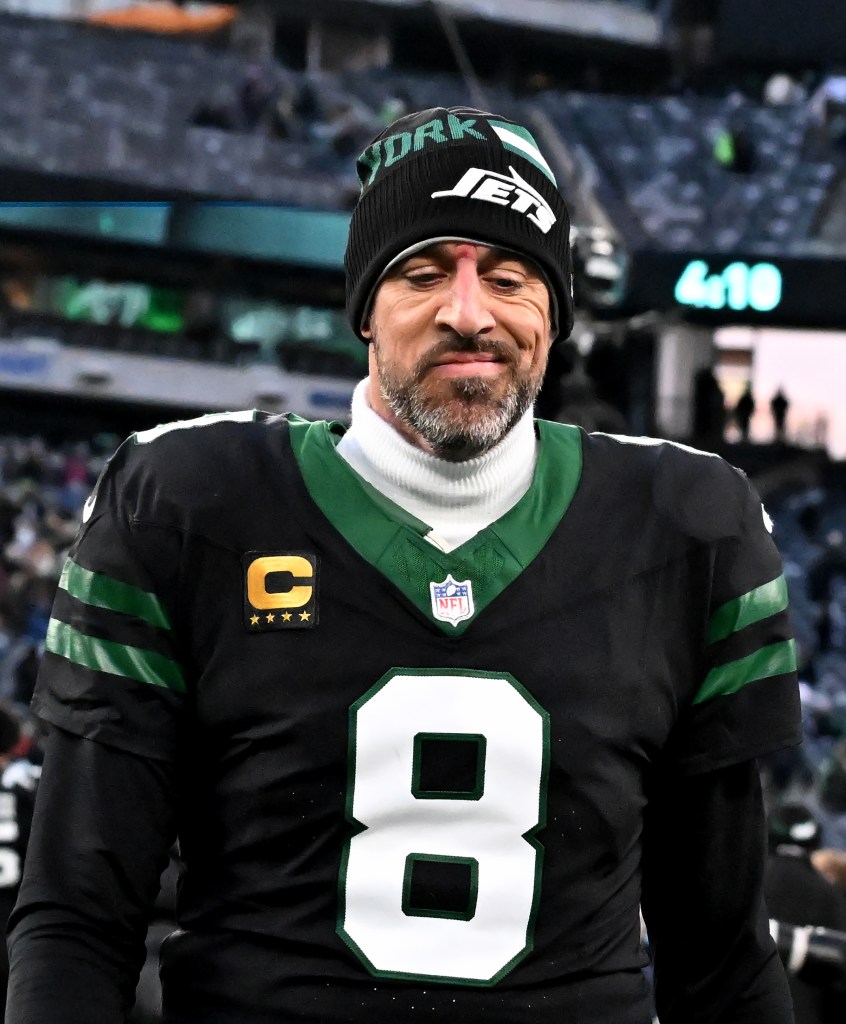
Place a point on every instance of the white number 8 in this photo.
(488, 830)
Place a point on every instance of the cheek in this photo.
(532, 325)
(542, 358)
(402, 328)
(392, 350)
(543, 318)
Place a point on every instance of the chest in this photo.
(296, 640)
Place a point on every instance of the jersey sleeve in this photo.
(746, 700)
(111, 670)
(76, 936)
(713, 956)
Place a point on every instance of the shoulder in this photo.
(696, 492)
(227, 436)
(188, 463)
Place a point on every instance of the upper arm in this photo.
(746, 699)
(112, 670)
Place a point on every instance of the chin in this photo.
(472, 390)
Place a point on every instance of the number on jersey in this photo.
(448, 785)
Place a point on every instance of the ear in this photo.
(366, 329)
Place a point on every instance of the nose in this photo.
(465, 307)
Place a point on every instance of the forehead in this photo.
(450, 251)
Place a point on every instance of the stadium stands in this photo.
(119, 106)
(655, 160)
(171, 115)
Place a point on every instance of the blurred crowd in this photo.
(805, 787)
(42, 490)
(810, 530)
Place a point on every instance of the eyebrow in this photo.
(494, 254)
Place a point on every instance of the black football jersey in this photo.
(412, 782)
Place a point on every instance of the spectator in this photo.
(782, 90)
(744, 410)
(733, 149)
(709, 409)
(255, 98)
(822, 575)
(779, 404)
(797, 894)
(832, 865)
(219, 110)
(337, 118)
(286, 123)
(827, 108)
(827, 800)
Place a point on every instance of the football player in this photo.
(433, 704)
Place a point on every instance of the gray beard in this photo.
(471, 420)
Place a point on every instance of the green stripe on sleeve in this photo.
(760, 603)
(114, 658)
(102, 591)
(772, 660)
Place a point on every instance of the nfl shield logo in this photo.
(452, 601)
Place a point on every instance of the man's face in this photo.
(460, 338)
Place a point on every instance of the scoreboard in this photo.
(750, 289)
(740, 286)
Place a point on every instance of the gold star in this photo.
(270, 616)
(305, 616)
(254, 619)
(286, 616)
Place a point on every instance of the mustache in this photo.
(469, 345)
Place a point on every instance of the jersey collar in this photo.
(393, 541)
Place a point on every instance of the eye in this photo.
(424, 277)
(504, 282)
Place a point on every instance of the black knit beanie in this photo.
(456, 173)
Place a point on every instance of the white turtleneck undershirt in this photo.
(456, 499)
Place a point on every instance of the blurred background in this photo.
(176, 183)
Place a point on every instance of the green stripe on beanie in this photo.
(457, 173)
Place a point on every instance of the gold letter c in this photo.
(257, 592)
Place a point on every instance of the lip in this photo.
(479, 364)
(468, 357)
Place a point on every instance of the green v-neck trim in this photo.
(393, 541)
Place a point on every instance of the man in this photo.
(433, 704)
(797, 894)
